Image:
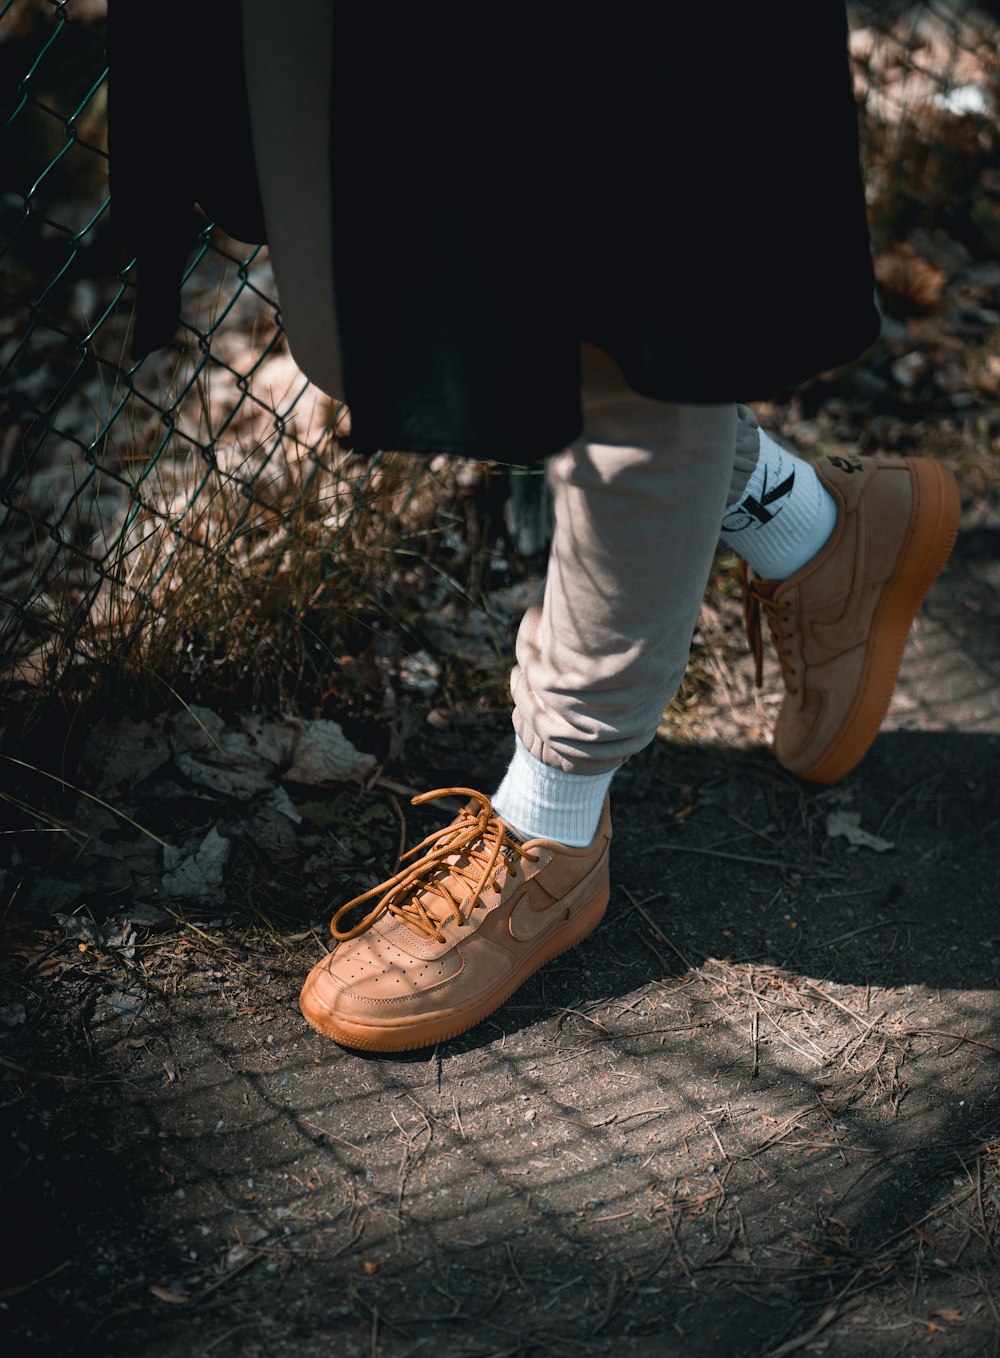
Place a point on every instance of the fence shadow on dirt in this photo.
(756, 1111)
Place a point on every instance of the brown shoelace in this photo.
(755, 597)
(478, 836)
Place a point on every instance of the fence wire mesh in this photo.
(206, 480)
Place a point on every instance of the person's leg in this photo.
(838, 556)
(637, 503)
(490, 899)
(851, 544)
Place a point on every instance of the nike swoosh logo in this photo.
(527, 923)
(845, 631)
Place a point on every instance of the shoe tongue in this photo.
(507, 853)
(434, 903)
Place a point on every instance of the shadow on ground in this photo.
(756, 1113)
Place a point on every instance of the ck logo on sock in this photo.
(753, 513)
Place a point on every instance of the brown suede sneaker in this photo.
(839, 624)
(455, 932)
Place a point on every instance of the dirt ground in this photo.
(757, 1113)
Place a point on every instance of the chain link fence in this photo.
(195, 502)
(174, 510)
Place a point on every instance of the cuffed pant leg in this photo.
(637, 500)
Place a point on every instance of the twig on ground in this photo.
(26, 1287)
(783, 1130)
(849, 1047)
(657, 931)
(749, 858)
(784, 1038)
(578, 1014)
(333, 1136)
(864, 929)
(959, 1038)
(226, 1277)
(642, 1112)
(510, 1255)
(411, 1156)
(800, 1341)
(830, 999)
(921, 1234)
(58, 1079)
(726, 1158)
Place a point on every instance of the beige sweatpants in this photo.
(638, 499)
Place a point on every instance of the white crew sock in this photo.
(545, 803)
(783, 517)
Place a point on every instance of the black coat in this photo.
(681, 189)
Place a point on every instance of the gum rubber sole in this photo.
(426, 1031)
(934, 527)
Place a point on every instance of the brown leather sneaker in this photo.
(455, 932)
(839, 624)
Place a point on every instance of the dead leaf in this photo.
(121, 756)
(323, 754)
(848, 824)
(949, 1313)
(81, 928)
(196, 875)
(222, 760)
(28, 943)
(244, 763)
(274, 824)
(910, 285)
(197, 728)
(280, 802)
(273, 740)
(168, 1294)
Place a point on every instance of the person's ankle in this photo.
(542, 802)
(783, 517)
